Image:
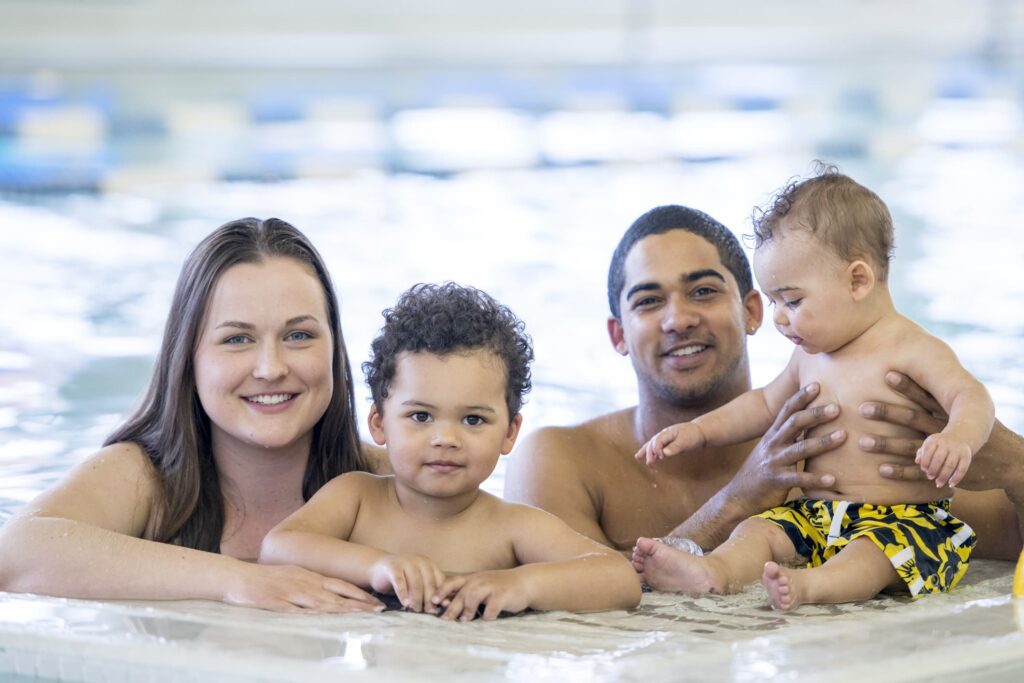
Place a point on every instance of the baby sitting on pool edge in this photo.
(448, 373)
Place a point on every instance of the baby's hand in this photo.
(413, 579)
(679, 438)
(500, 590)
(944, 459)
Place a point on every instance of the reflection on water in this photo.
(522, 196)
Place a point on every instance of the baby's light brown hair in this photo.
(847, 217)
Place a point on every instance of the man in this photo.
(682, 303)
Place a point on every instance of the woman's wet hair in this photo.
(847, 217)
(171, 426)
(445, 319)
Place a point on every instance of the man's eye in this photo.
(702, 292)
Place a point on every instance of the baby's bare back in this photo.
(849, 377)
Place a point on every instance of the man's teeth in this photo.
(270, 399)
(688, 350)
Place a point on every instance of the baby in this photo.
(822, 257)
(448, 374)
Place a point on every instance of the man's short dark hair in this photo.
(673, 217)
(449, 318)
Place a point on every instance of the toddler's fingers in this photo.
(493, 609)
(401, 588)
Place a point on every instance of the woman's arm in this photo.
(87, 538)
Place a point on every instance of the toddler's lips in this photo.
(444, 466)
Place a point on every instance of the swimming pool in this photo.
(526, 198)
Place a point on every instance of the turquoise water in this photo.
(526, 202)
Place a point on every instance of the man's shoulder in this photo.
(594, 436)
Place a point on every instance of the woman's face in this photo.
(263, 357)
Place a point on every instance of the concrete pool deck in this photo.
(975, 633)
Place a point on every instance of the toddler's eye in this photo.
(420, 417)
(474, 420)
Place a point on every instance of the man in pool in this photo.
(682, 302)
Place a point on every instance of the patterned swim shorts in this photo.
(928, 547)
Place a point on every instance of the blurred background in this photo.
(503, 145)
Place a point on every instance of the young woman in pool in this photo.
(248, 413)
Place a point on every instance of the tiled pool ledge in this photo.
(977, 632)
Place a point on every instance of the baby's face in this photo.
(807, 288)
(445, 422)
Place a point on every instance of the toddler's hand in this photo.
(413, 579)
(944, 459)
(679, 438)
(499, 590)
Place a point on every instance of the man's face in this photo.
(683, 322)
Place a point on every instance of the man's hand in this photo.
(993, 466)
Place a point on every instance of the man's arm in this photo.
(545, 472)
(769, 473)
(990, 498)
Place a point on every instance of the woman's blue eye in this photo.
(299, 335)
(236, 339)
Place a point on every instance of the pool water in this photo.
(525, 198)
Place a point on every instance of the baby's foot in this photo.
(667, 569)
(784, 588)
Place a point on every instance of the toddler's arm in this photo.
(560, 569)
(945, 456)
(746, 417)
(315, 536)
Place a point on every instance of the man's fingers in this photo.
(917, 420)
(873, 443)
(806, 448)
(913, 391)
(794, 403)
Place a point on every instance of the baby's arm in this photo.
(315, 536)
(945, 456)
(559, 569)
(746, 417)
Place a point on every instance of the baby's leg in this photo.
(858, 572)
(731, 566)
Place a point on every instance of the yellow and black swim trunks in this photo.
(928, 546)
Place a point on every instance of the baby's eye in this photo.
(420, 416)
(795, 303)
(474, 420)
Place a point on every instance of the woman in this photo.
(248, 413)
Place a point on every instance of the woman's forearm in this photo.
(62, 557)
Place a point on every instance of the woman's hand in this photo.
(283, 588)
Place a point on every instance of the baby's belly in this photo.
(857, 476)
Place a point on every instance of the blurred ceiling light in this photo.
(457, 138)
(569, 137)
(970, 121)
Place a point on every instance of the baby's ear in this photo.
(861, 278)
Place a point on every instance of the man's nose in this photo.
(679, 315)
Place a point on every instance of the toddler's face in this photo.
(445, 422)
(807, 289)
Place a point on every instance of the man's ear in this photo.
(615, 333)
(375, 421)
(753, 311)
(861, 277)
(512, 434)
